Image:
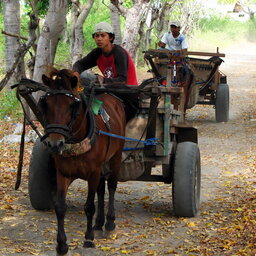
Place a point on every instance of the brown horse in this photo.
(79, 151)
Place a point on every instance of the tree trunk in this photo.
(79, 15)
(12, 25)
(133, 17)
(163, 23)
(115, 21)
(132, 26)
(49, 37)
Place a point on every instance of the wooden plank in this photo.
(206, 54)
(203, 63)
(183, 53)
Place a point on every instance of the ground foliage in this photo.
(225, 224)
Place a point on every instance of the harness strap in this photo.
(56, 128)
(22, 142)
(20, 164)
(147, 142)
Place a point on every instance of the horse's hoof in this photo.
(97, 228)
(110, 226)
(98, 234)
(67, 254)
(109, 233)
(89, 244)
(62, 250)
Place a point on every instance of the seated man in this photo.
(113, 61)
(115, 64)
(173, 39)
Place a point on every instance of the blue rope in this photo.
(130, 149)
(147, 142)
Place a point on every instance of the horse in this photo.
(79, 151)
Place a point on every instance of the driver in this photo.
(173, 39)
(114, 62)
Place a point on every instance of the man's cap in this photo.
(103, 27)
(175, 23)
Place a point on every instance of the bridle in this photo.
(65, 130)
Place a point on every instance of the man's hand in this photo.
(76, 74)
(161, 44)
(100, 80)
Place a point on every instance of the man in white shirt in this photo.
(174, 40)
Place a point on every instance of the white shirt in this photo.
(172, 43)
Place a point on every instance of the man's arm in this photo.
(184, 45)
(163, 42)
(87, 62)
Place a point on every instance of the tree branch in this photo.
(21, 52)
(14, 35)
(122, 10)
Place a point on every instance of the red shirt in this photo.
(116, 67)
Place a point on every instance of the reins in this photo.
(26, 118)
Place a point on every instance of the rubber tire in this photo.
(42, 178)
(222, 103)
(186, 180)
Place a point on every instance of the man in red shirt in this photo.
(114, 62)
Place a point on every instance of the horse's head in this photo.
(59, 106)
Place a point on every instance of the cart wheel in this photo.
(222, 103)
(42, 178)
(186, 180)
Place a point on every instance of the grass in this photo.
(10, 106)
(218, 32)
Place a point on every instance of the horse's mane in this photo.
(62, 74)
(55, 73)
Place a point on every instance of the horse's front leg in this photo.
(89, 211)
(60, 210)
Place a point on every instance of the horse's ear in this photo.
(74, 81)
(46, 80)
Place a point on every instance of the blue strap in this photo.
(147, 142)
(130, 149)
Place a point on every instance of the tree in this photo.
(115, 21)
(188, 13)
(133, 17)
(12, 43)
(79, 14)
(156, 18)
(22, 50)
(47, 44)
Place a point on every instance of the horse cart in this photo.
(155, 137)
(201, 78)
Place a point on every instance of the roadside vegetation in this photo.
(213, 32)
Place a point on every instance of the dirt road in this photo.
(145, 221)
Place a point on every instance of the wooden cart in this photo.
(154, 137)
(209, 85)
